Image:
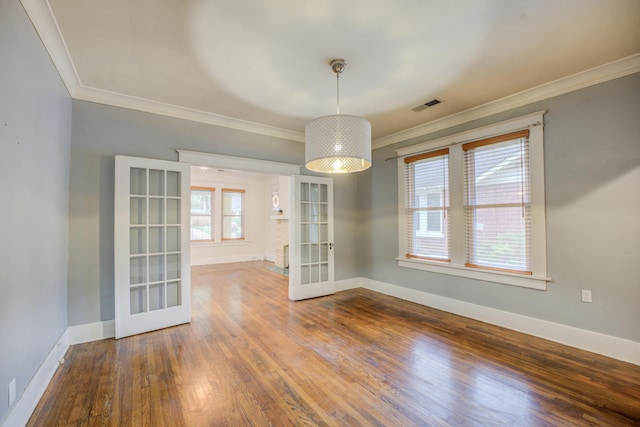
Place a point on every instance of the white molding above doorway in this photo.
(243, 164)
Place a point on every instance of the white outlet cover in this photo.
(12, 392)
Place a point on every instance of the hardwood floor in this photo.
(251, 357)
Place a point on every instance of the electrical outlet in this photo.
(586, 296)
(12, 392)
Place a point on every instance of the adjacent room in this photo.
(320, 213)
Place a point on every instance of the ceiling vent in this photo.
(427, 104)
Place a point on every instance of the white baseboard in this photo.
(226, 259)
(91, 332)
(606, 345)
(343, 285)
(25, 405)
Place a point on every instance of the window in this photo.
(202, 214)
(472, 204)
(232, 214)
(497, 203)
(427, 225)
(217, 215)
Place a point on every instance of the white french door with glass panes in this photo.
(152, 271)
(311, 271)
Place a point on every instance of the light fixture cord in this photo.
(338, 93)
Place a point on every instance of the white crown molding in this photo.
(39, 11)
(601, 74)
(140, 104)
(44, 22)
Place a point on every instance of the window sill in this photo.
(531, 282)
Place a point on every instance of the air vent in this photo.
(426, 105)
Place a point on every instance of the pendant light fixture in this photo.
(338, 143)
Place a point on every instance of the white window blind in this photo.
(427, 205)
(497, 203)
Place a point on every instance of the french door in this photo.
(152, 266)
(311, 270)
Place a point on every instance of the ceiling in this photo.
(263, 66)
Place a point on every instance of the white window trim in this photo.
(538, 280)
(217, 215)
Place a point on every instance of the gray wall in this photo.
(35, 135)
(592, 173)
(56, 221)
(99, 133)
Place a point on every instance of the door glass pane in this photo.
(304, 212)
(324, 197)
(173, 211)
(173, 294)
(156, 210)
(156, 182)
(173, 184)
(314, 193)
(304, 192)
(324, 272)
(173, 239)
(314, 233)
(156, 297)
(324, 232)
(138, 181)
(304, 255)
(314, 253)
(156, 268)
(315, 212)
(137, 241)
(304, 233)
(324, 213)
(324, 252)
(137, 211)
(304, 274)
(156, 239)
(315, 273)
(173, 266)
(137, 270)
(138, 299)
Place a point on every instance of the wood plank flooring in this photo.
(357, 358)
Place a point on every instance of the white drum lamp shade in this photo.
(339, 143)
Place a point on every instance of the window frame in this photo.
(212, 215)
(218, 216)
(242, 215)
(456, 266)
(472, 187)
(411, 174)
